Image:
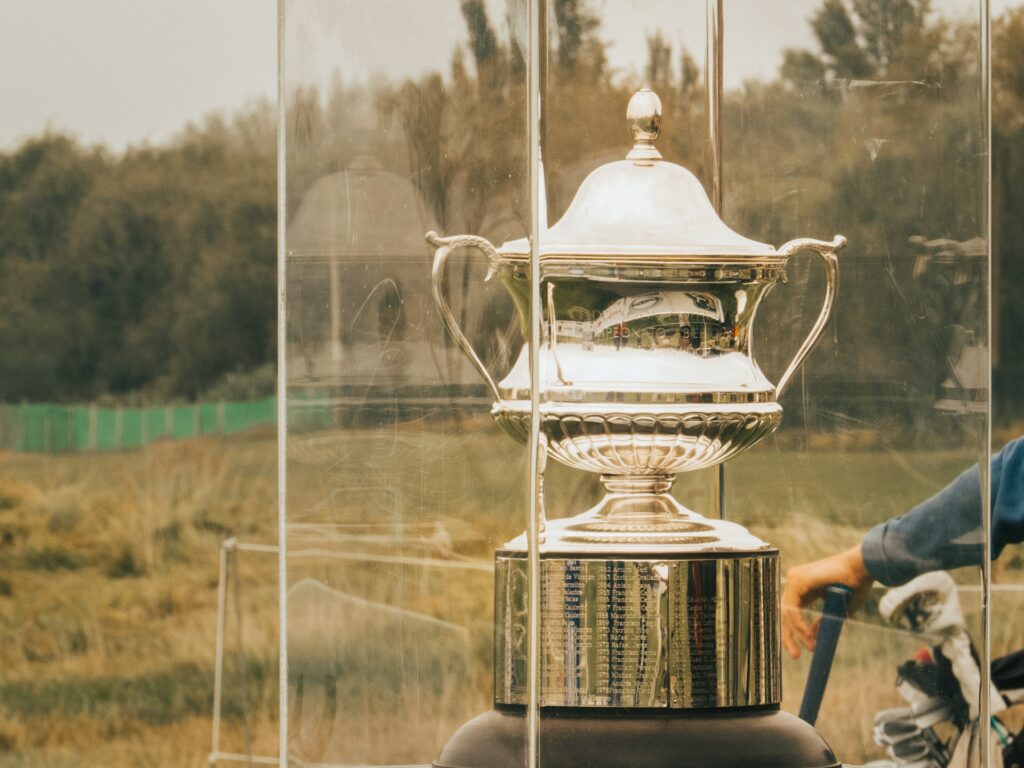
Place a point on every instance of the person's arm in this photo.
(941, 533)
(1008, 496)
(807, 583)
(944, 532)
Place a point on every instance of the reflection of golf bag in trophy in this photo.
(659, 627)
(940, 685)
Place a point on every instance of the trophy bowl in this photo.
(614, 441)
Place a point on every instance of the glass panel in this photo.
(873, 127)
(1007, 284)
(862, 119)
(597, 58)
(855, 118)
(402, 118)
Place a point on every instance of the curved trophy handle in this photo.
(827, 251)
(445, 245)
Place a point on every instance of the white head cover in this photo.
(927, 604)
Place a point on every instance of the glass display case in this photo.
(545, 472)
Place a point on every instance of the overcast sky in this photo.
(122, 72)
(128, 71)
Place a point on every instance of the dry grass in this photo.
(108, 590)
(108, 571)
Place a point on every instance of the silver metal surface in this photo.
(663, 439)
(827, 251)
(536, 20)
(644, 116)
(639, 517)
(680, 339)
(552, 338)
(714, 53)
(636, 209)
(646, 370)
(650, 302)
(658, 632)
(445, 246)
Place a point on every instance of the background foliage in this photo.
(149, 273)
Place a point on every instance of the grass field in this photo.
(108, 593)
(108, 588)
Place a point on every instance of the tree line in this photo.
(151, 274)
(148, 275)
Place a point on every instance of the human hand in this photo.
(807, 583)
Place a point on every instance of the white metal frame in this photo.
(229, 548)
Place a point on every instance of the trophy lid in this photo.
(642, 206)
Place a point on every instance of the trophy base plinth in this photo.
(678, 631)
(644, 604)
(582, 738)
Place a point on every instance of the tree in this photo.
(1008, 71)
(659, 64)
(842, 55)
(871, 39)
(576, 27)
(114, 264)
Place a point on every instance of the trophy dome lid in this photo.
(642, 206)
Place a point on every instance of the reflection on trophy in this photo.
(659, 627)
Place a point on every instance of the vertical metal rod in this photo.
(243, 683)
(282, 403)
(985, 465)
(218, 659)
(713, 58)
(334, 275)
(533, 110)
(713, 97)
(94, 426)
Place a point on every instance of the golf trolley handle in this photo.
(833, 613)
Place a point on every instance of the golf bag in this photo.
(940, 684)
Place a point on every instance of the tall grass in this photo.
(107, 619)
(108, 588)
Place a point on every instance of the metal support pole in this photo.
(985, 462)
(713, 98)
(713, 48)
(282, 400)
(94, 426)
(240, 651)
(218, 661)
(536, 15)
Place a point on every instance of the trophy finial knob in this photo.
(644, 117)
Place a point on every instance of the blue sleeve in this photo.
(944, 531)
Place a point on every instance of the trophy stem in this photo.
(638, 510)
(638, 484)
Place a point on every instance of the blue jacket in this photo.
(944, 531)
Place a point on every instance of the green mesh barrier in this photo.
(46, 428)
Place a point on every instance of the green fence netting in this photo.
(63, 428)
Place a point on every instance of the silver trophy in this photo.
(648, 370)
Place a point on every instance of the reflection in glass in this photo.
(396, 494)
(393, 455)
